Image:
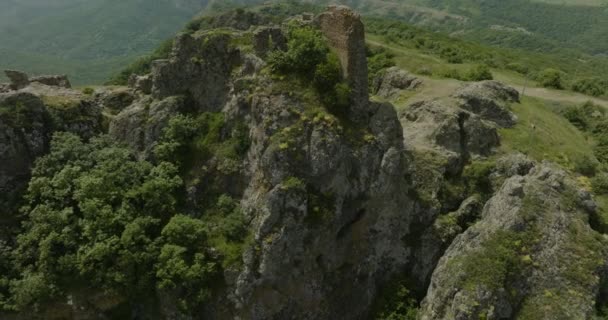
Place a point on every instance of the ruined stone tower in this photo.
(346, 34)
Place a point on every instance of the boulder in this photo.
(490, 100)
(53, 81)
(390, 82)
(454, 132)
(18, 79)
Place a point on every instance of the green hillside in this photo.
(539, 25)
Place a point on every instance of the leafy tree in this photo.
(184, 265)
(306, 49)
(94, 214)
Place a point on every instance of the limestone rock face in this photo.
(267, 39)
(326, 245)
(489, 100)
(346, 34)
(53, 80)
(25, 131)
(389, 83)
(141, 83)
(115, 100)
(141, 124)
(531, 234)
(454, 132)
(200, 67)
(18, 79)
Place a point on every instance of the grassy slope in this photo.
(542, 132)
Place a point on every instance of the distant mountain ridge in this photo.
(71, 36)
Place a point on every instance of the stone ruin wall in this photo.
(346, 35)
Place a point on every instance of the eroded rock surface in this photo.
(532, 233)
(25, 131)
(490, 100)
(53, 80)
(389, 83)
(200, 66)
(18, 79)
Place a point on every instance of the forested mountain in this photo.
(87, 39)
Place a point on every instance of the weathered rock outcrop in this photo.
(53, 80)
(25, 130)
(454, 132)
(326, 244)
(27, 123)
(532, 255)
(141, 124)
(388, 84)
(200, 67)
(267, 39)
(115, 100)
(18, 79)
(490, 100)
(328, 206)
(346, 34)
(142, 84)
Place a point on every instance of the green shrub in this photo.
(577, 117)
(479, 73)
(452, 74)
(378, 59)
(592, 87)
(586, 165)
(88, 91)
(97, 223)
(425, 71)
(306, 49)
(308, 56)
(293, 183)
(517, 67)
(551, 78)
(601, 149)
(395, 302)
(599, 183)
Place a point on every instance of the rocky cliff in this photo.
(337, 203)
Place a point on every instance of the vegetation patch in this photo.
(543, 134)
(309, 57)
(396, 301)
